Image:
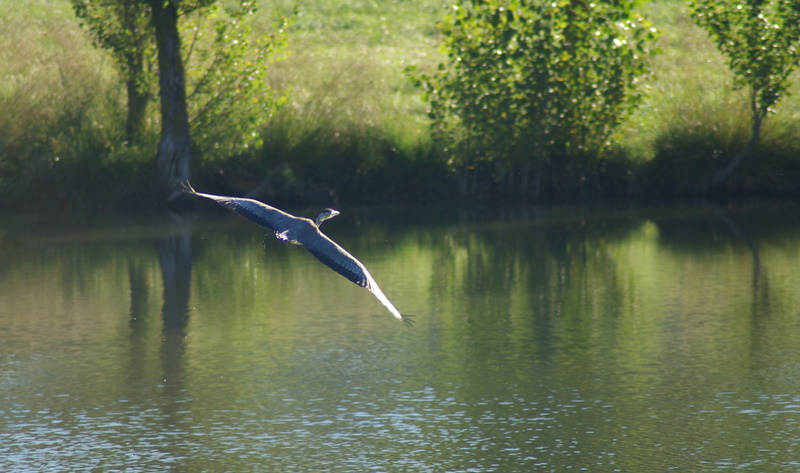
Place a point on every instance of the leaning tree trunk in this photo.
(174, 149)
(719, 178)
(758, 114)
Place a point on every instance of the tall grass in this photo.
(345, 120)
(354, 127)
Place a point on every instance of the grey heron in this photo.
(305, 232)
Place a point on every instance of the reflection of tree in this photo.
(175, 261)
(139, 311)
(759, 281)
(714, 230)
(174, 251)
(139, 294)
(532, 280)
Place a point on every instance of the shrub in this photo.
(533, 90)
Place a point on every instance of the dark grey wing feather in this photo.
(253, 210)
(339, 260)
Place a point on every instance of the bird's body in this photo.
(305, 232)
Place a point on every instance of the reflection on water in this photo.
(548, 339)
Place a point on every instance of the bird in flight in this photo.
(305, 232)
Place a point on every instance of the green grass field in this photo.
(354, 127)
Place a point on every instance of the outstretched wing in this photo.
(253, 210)
(338, 259)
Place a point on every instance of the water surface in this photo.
(546, 339)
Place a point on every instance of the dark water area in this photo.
(553, 338)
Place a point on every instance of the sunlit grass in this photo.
(353, 118)
(356, 51)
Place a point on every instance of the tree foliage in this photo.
(761, 41)
(124, 28)
(228, 93)
(534, 85)
(225, 64)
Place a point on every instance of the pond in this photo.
(547, 338)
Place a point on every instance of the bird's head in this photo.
(325, 215)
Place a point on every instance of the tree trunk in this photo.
(137, 112)
(719, 178)
(758, 114)
(174, 149)
(136, 20)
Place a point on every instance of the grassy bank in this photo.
(353, 129)
(694, 121)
